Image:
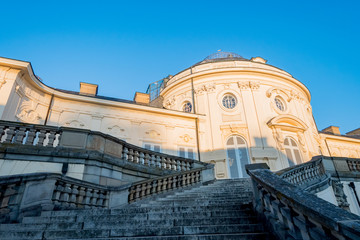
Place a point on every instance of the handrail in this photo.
(304, 174)
(146, 188)
(48, 136)
(295, 213)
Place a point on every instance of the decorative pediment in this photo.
(287, 122)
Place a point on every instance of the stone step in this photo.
(149, 209)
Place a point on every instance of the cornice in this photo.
(339, 137)
(29, 75)
(242, 69)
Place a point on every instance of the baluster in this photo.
(2, 132)
(137, 191)
(73, 194)
(87, 198)
(41, 137)
(106, 200)
(183, 182)
(136, 157)
(198, 176)
(51, 138)
(164, 184)
(152, 160)
(174, 182)
(100, 199)
(169, 183)
(163, 163)
(57, 193)
(178, 165)
(80, 198)
(125, 154)
(159, 186)
(147, 159)
(148, 188)
(58, 138)
(131, 155)
(154, 187)
(141, 158)
(132, 194)
(143, 190)
(158, 161)
(9, 135)
(30, 137)
(94, 198)
(19, 136)
(66, 194)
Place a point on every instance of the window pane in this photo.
(297, 156)
(147, 146)
(243, 161)
(182, 152)
(240, 141)
(234, 170)
(289, 157)
(293, 143)
(156, 148)
(190, 153)
(286, 142)
(230, 141)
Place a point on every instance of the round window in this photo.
(279, 104)
(187, 107)
(229, 101)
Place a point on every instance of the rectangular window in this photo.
(156, 147)
(186, 152)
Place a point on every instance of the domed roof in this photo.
(222, 56)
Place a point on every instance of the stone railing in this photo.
(306, 174)
(353, 164)
(158, 185)
(293, 213)
(27, 134)
(47, 136)
(30, 194)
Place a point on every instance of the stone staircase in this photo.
(221, 210)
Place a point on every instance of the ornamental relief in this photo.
(74, 124)
(253, 85)
(234, 129)
(169, 103)
(116, 131)
(205, 88)
(186, 139)
(27, 113)
(3, 73)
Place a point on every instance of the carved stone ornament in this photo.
(253, 85)
(74, 123)
(169, 103)
(301, 139)
(340, 195)
(186, 138)
(116, 130)
(27, 113)
(205, 88)
(152, 134)
(3, 76)
(278, 91)
(279, 137)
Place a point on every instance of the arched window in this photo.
(292, 151)
(236, 156)
(187, 107)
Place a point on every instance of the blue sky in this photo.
(125, 45)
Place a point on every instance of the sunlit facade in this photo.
(226, 110)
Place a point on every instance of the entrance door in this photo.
(236, 157)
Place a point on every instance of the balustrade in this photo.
(150, 187)
(73, 195)
(47, 136)
(304, 173)
(293, 213)
(354, 165)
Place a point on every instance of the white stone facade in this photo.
(266, 118)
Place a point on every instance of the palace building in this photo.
(225, 110)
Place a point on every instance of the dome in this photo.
(224, 55)
(221, 56)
